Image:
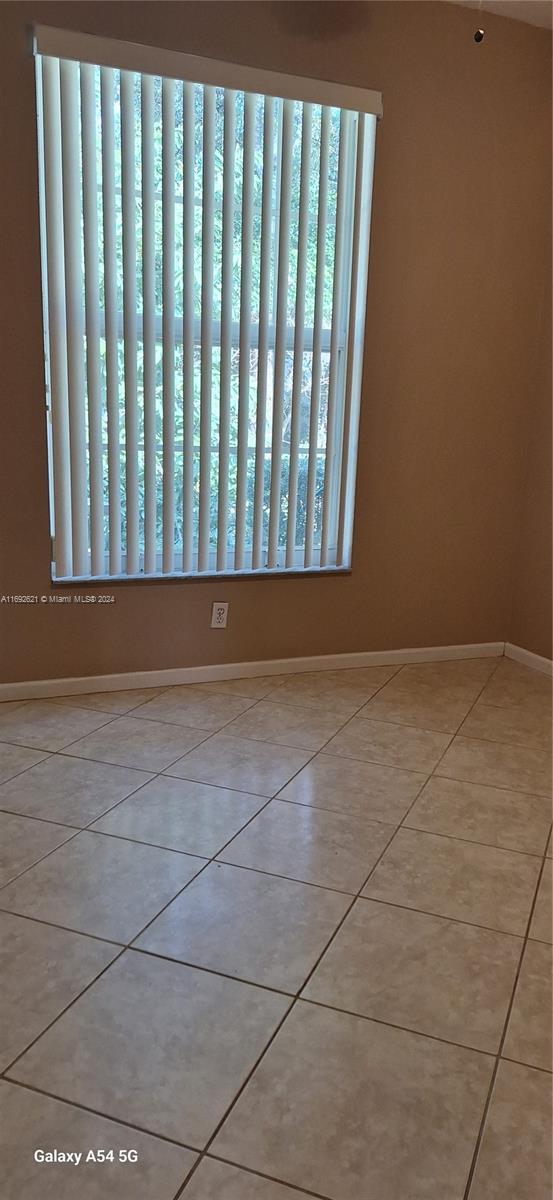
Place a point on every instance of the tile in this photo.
(46, 725)
(425, 973)
(517, 767)
(468, 672)
(364, 680)
(358, 788)
(112, 702)
(70, 790)
(514, 1161)
(14, 759)
(285, 725)
(351, 1109)
(495, 816)
(29, 1121)
(430, 704)
(42, 970)
(100, 885)
(257, 927)
(462, 880)
(529, 1034)
(517, 725)
(218, 1181)
(513, 684)
(147, 745)
(23, 842)
(190, 1036)
(394, 745)
(181, 815)
(255, 687)
(310, 844)
(190, 706)
(342, 692)
(241, 763)
(541, 927)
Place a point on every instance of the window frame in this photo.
(97, 51)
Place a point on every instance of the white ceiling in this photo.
(534, 12)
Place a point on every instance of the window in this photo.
(205, 233)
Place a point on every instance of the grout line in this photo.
(63, 700)
(422, 1033)
(96, 1112)
(452, 837)
(30, 866)
(198, 728)
(10, 912)
(499, 1054)
(426, 912)
(181, 962)
(531, 1066)
(15, 1060)
(288, 1187)
(121, 837)
(477, 737)
(153, 771)
(46, 754)
(488, 787)
(59, 749)
(323, 887)
(13, 812)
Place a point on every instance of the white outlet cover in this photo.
(219, 614)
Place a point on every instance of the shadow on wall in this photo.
(331, 19)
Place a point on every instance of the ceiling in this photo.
(534, 12)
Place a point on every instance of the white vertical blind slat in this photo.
(208, 174)
(245, 330)
(110, 301)
(354, 283)
(316, 368)
(356, 333)
(297, 376)
(92, 315)
(227, 271)
(188, 325)
(71, 164)
(168, 286)
(128, 177)
(262, 353)
(57, 316)
(280, 336)
(279, 116)
(148, 321)
(337, 293)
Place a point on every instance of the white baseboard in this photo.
(74, 686)
(536, 661)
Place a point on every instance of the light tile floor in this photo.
(280, 937)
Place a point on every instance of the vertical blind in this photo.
(205, 253)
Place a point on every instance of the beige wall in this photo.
(532, 602)
(460, 212)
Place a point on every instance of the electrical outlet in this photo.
(219, 614)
